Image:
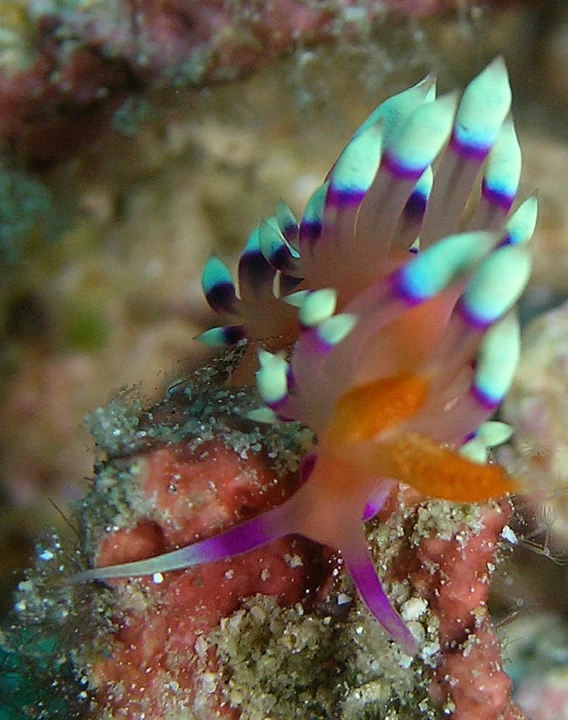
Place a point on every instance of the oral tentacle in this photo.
(250, 535)
(364, 575)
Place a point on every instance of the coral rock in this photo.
(451, 569)
(537, 405)
(67, 66)
(276, 630)
(185, 491)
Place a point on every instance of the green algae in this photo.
(40, 643)
(27, 212)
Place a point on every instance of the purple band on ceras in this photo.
(497, 197)
(339, 198)
(486, 401)
(278, 405)
(489, 402)
(415, 206)
(283, 260)
(400, 291)
(233, 334)
(473, 319)
(399, 170)
(469, 151)
(255, 269)
(222, 298)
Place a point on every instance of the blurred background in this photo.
(135, 137)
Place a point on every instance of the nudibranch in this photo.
(389, 315)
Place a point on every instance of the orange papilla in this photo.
(440, 472)
(367, 410)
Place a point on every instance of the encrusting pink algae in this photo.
(320, 546)
(68, 66)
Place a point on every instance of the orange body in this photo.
(365, 443)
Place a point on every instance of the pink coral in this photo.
(455, 574)
(78, 62)
(166, 649)
(51, 105)
(471, 681)
(161, 622)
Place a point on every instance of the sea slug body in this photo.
(387, 323)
